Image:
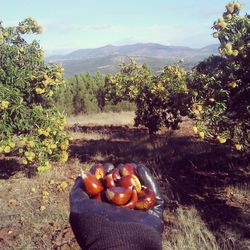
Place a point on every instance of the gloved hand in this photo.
(100, 225)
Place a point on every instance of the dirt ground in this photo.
(205, 186)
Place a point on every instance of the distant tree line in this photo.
(84, 93)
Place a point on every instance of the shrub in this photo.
(221, 84)
(159, 99)
(30, 127)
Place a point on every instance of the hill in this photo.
(106, 59)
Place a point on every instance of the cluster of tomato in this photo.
(121, 187)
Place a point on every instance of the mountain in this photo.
(106, 59)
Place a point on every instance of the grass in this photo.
(23, 199)
(240, 191)
(89, 136)
(188, 231)
(111, 118)
(205, 187)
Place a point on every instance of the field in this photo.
(205, 186)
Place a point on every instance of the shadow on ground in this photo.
(9, 166)
(191, 172)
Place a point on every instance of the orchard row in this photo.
(215, 94)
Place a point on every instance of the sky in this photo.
(79, 24)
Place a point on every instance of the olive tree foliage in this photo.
(30, 127)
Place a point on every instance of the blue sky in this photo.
(75, 24)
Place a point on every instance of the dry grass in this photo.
(196, 185)
(188, 232)
(111, 118)
(89, 136)
(240, 191)
(239, 194)
(34, 211)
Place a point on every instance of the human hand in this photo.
(100, 225)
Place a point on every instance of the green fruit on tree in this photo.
(229, 46)
(195, 129)
(216, 34)
(230, 8)
(230, 52)
(221, 140)
(235, 53)
(232, 85)
(238, 146)
(202, 135)
(7, 149)
(237, 6)
(199, 107)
